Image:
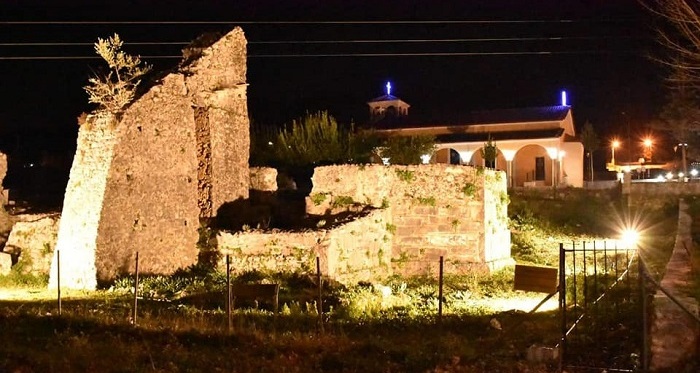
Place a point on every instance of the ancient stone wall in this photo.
(141, 181)
(32, 242)
(457, 212)
(355, 251)
(263, 179)
(3, 168)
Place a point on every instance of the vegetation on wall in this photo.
(408, 150)
(115, 89)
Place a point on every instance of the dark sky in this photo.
(599, 53)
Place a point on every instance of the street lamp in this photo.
(647, 148)
(615, 144)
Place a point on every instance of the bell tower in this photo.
(387, 105)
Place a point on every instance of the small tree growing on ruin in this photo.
(113, 90)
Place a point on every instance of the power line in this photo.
(355, 41)
(345, 22)
(426, 54)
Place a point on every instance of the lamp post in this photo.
(614, 145)
(647, 148)
(647, 151)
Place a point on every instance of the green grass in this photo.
(182, 326)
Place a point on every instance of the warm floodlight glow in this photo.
(385, 160)
(669, 175)
(629, 237)
(681, 175)
(425, 158)
(693, 172)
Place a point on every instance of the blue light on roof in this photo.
(563, 99)
(388, 88)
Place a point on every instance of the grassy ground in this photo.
(392, 327)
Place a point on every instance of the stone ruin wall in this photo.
(457, 212)
(142, 182)
(420, 213)
(355, 251)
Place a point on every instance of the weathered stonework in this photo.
(457, 212)
(140, 182)
(263, 179)
(32, 243)
(356, 251)
(418, 213)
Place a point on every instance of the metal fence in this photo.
(604, 303)
(600, 311)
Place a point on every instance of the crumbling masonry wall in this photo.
(141, 182)
(417, 214)
(359, 250)
(457, 212)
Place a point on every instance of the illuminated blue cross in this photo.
(388, 88)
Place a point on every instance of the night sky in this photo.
(597, 50)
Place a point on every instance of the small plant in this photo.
(428, 201)
(385, 203)
(469, 189)
(342, 201)
(391, 228)
(318, 198)
(455, 224)
(116, 89)
(405, 175)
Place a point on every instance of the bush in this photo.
(408, 150)
(317, 139)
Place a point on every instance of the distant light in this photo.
(693, 172)
(563, 98)
(269, 143)
(681, 175)
(388, 88)
(385, 160)
(629, 237)
(669, 175)
(425, 158)
(660, 178)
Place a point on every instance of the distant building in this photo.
(537, 146)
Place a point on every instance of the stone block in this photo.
(5, 263)
(33, 241)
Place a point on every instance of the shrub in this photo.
(408, 150)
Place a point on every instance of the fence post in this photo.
(440, 281)
(320, 293)
(645, 328)
(562, 303)
(58, 279)
(228, 292)
(136, 289)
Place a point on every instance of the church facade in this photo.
(537, 146)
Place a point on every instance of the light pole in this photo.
(614, 145)
(647, 151)
(647, 147)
